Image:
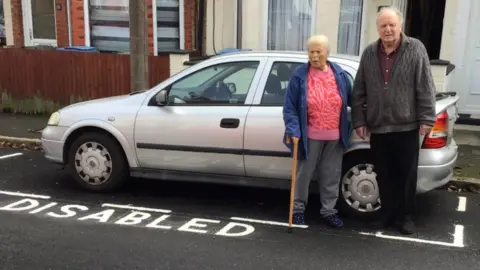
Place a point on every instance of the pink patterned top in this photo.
(324, 105)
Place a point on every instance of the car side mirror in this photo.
(161, 97)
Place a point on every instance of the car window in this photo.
(222, 84)
(350, 79)
(198, 78)
(242, 79)
(277, 83)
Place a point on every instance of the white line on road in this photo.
(11, 155)
(138, 208)
(268, 222)
(457, 238)
(20, 194)
(462, 204)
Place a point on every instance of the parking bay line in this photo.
(462, 204)
(457, 238)
(138, 208)
(267, 222)
(11, 155)
(26, 195)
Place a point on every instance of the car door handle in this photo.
(229, 123)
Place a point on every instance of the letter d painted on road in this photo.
(22, 205)
(225, 231)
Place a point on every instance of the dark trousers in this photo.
(395, 157)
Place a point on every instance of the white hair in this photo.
(319, 40)
(391, 9)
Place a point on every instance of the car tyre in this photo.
(358, 186)
(97, 162)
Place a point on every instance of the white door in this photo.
(39, 22)
(472, 101)
(201, 129)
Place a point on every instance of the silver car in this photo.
(220, 121)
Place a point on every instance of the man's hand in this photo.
(361, 132)
(424, 129)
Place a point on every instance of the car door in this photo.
(265, 153)
(201, 127)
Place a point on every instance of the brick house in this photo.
(103, 24)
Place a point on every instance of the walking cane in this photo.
(294, 179)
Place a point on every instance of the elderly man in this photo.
(394, 100)
(315, 113)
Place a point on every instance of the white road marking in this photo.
(131, 207)
(462, 204)
(20, 194)
(457, 238)
(268, 222)
(11, 155)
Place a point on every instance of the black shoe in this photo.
(407, 227)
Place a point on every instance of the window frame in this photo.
(88, 27)
(268, 73)
(181, 26)
(253, 88)
(29, 39)
(257, 99)
(266, 8)
(268, 68)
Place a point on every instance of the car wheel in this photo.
(97, 162)
(359, 193)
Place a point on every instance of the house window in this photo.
(289, 24)
(109, 25)
(39, 22)
(350, 27)
(169, 25)
(43, 19)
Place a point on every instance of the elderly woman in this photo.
(315, 112)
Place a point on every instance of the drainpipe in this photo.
(239, 23)
(69, 23)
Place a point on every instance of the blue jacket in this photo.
(295, 108)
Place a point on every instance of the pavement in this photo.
(48, 222)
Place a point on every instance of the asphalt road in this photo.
(47, 222)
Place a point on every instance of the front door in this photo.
(201, 129)
(472, 102)
(39, 22)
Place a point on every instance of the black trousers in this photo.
(395, 157)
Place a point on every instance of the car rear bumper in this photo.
(436, 167)
(53, 144)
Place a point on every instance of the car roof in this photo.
(352, 60)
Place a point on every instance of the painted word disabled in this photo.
(134, 218)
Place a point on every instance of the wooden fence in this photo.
(39, 81)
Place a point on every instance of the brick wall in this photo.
(190, 7)
(17, 23)
(78, 22)
(151, 23)
(61, 22)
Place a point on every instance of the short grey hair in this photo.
(391, 9)
(319, 39)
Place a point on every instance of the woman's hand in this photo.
(294, 139)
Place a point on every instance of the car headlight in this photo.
(54, 119)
